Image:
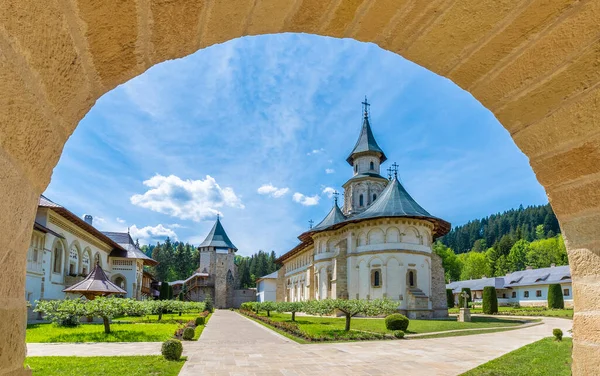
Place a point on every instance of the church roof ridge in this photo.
(366, 140)
(394, 201)
(217, 237)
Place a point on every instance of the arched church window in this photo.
(355, 168)
(376, 278)
(58, 252)
(97, 259)
(374, 197)
(360, 200)
(372, 165)
(411, 279)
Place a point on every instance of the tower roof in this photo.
(334, 216)
(217, 237)
(366, 141)
(395, 201)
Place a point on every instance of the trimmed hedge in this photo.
(171, 349)
(399, 334)
(558, 334)
(461, 302)
(555, 297)
(450, 298)
(188, 333)
(200, 320)
(396, 321)
(490, 300)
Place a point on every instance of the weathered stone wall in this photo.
(341, 277)
(533, 64)
(280, 292)
(243, 295)
(438, 287)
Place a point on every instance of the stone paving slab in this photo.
(234, 345)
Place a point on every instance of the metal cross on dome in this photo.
(310, 223)
(394, 169)
(335, 195)
(366, 105)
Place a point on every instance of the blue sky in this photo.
(257, 128)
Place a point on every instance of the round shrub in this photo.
(396, 322)
(200, 320)
(399, 334)
(555, 296)
(558, 334)
(172, 349)
(188, 333)
(490, 300)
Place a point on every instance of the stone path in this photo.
(234, 345)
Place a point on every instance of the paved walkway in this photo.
(234, 345)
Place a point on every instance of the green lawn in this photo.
(525, 311)
(122, 330)
(103, 365)
(541, 358)
(327, 326)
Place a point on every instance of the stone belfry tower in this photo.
(217, 255)
(366, 158)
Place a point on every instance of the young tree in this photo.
(268, 306)
(106, 308)
(475, 265)
(450, 262)
(291, 307)
(163, 292)
(208, 303)
(351, 307)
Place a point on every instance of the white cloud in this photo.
(315, 151)
(186, 199)
(271, 190)
(329, 191)
(306, 200)
(329, 170)
(120, 220)
(151, 234)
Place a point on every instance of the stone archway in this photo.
(532, 63)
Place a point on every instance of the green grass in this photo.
(171, 318)
(103, 365)
(525, 311)
(541, 358)
(330, 326)
(200, 329)
(95, 333)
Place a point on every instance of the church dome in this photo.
(334, 216)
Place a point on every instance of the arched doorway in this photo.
(549, 105)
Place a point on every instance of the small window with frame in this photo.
(376, 278)
(526, 294)
(566, 292)
(514, 294)
(538, 294)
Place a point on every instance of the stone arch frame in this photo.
(388, 234)
(372, 232)
(63, 255)
(551, 115)
(97, 257)
(412, 229)
(414, 272)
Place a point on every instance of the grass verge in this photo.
(541, 358)
(524, 311)
(103, 365)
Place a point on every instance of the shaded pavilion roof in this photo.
(95, 284)
(366, 143)
(129, 249)
(217, 237)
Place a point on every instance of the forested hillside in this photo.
(503, 243)
(178, 261)
(521, 223)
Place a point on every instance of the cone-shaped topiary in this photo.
(208, 303)
(490, 300)
(396, 321)
(172, 349)
(450, 298)
(555, 296)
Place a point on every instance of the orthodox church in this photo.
(379, 244)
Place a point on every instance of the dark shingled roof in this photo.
(366, 143)
(335, 216)
(395, 201)
(131, 251)
(95, 284)
(217, 237)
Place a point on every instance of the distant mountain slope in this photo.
(521, 223)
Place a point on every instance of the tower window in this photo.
(355, 168)
(411, 279)
(376, 278)
(361, 200)
(372, 165)
(374, 197)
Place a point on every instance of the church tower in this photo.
(366, 158)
